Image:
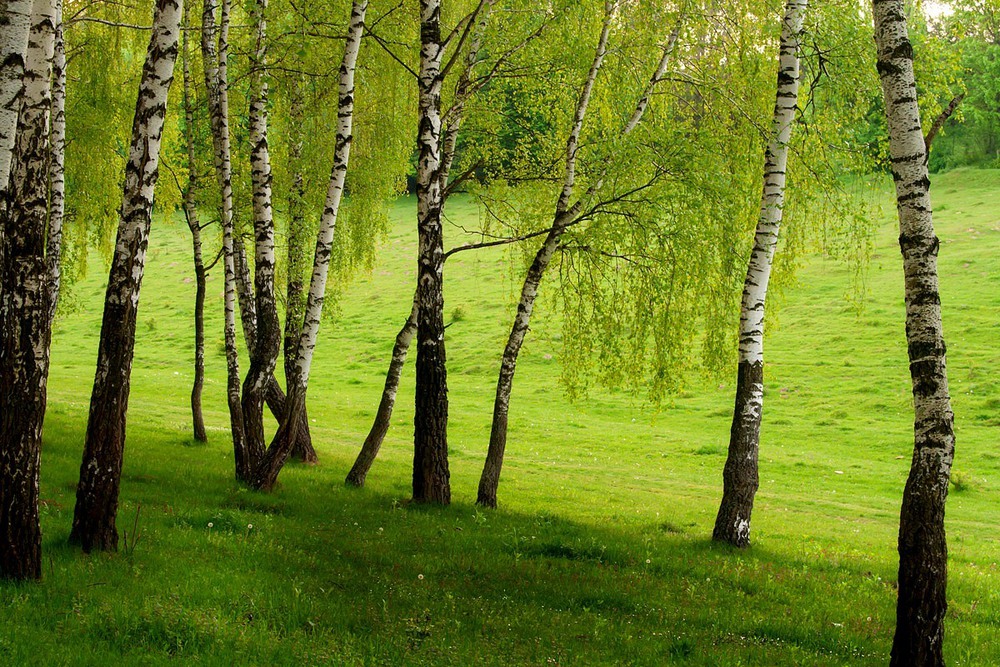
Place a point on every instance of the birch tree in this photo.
(567, 212)
(740, 477)
(431, 479)
(100, 471)
(465, 88)
(923, 552)
(194, 225)
(14, 27)
(266, 472)
(216, 64)
(25, 304)
(264, 356)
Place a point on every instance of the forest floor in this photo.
(600, 552)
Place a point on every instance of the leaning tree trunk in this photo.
(24, 309)
(431, 479)
(565, 213)
(923, 550)
(191, 217)
(266, 474)
(217, 85)
(100, 472)
(298, 258)
(383, 417)
(740, 478)
(264, 355)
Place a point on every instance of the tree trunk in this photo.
(452, 123)
(24, 309)
(266, 474)
(191, 216)
(489, 480)
(217, 85)
(57, 168)
(740, 477)
(373, 443)
(100, 472)
(431, 479)
(298, 258)
(923, 550)
(13, 44)
(264, 354)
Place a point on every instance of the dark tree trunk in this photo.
(191, 217)
(100, 472)
(24, 309)
(298, 261)
(373, 443)
(740, 476)
(431, 479)
(923, 550)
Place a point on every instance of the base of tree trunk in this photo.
(740, 477)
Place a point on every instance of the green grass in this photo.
(600, 552)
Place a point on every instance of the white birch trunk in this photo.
(430, 438)
(923, 552)
(100, 471)
(57, 169)
(24, 307)
(217, 85)
(740, 477)
(277, 454)
(452, 123)
(14, 26)
(564, 215)
(264, 354)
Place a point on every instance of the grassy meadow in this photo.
(600, 552)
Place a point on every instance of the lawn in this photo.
(599, 553)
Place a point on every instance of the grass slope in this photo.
(600, 553)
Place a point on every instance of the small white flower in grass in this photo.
(648, 561)
(249, 526)
(420, 576)
(210, 524)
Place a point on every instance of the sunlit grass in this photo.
(599, 553)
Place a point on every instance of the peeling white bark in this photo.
(740, 476)
(14, 26)
(266, 473)
(923, 552)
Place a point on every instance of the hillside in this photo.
(599, 553)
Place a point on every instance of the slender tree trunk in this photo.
(565, 213)
(431, 478)
(273, 394)
(383, 417)
(24, 309)
(217, 85)
(191, 216)
(452, 123)
(740, 478)
(277, 454)
(923, 550)
(264, 355)
(298, 258)
(57, 168)
(100, 472)
(14, 27)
